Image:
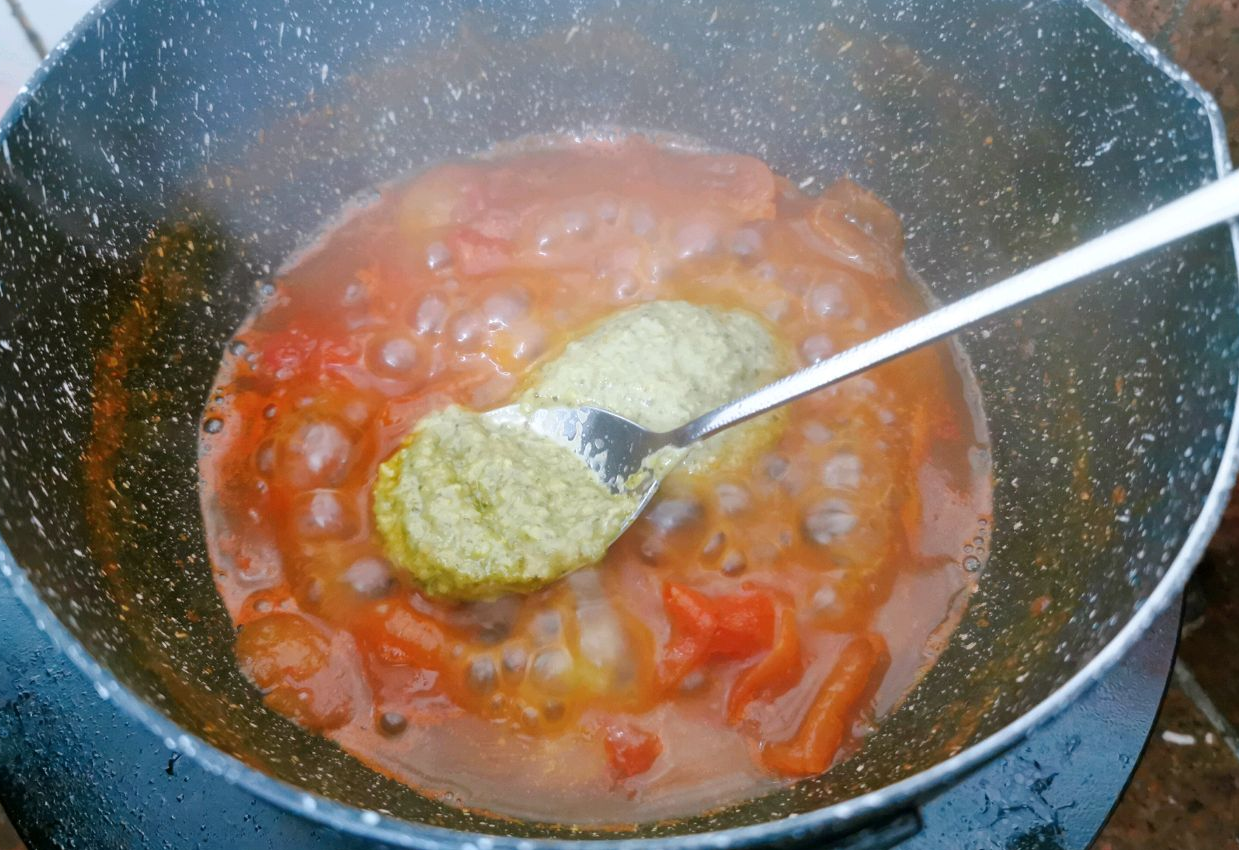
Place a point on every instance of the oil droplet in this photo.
(972, 564)
(269, 411)
(213, 425)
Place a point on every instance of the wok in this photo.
(169, 157)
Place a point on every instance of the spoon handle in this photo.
(1212, 204)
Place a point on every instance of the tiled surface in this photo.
(1205, 40)
(1200, 35)
(1210, 644)
(8, 838)
(1185, 793)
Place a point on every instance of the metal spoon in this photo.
(617, 448)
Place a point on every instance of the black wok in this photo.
(170, 156)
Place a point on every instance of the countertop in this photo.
(1184, 792)
(1185, 789)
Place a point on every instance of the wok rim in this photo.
(833, 820)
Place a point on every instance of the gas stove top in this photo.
(77, 772)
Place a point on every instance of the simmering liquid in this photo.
(750, 629)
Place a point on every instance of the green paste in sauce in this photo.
(475, 509)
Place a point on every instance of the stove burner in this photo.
(75, 771)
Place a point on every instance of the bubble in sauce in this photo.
(696, 238)
(842, 472)
(354, 295)
(817, 348)
(514, 662)
(972, 563)
(502, 310)
(732, 498)
(483, 676)
(552, 670)
(264, 457)
(469, 330)
(213, 425)
(370, 577)
(547, 626)
(673, 514)
(561, 226)
(641, 220)
(319, 453)
(714, 544)
(391, 356)
(607, 210)
(826, 300)
(768, 272)
(694, 681)
(529, 717)
(734, 563)
(438, 256)
(430, 315)
(624, 286)
(816, 432)
(526, 340)
(746, 243)
(775, 467)
(321, 514)
(824, 599)
(827, 520)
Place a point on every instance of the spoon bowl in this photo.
(615, 448)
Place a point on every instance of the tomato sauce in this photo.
(747, 631)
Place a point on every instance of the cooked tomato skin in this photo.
(824, 727)
(630, 749)
(773, 673)
(290, 660)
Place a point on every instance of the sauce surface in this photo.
(749, 630)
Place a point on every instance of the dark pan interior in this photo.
(177, 152)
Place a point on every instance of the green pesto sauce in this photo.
(474, 509)
(664, 363)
